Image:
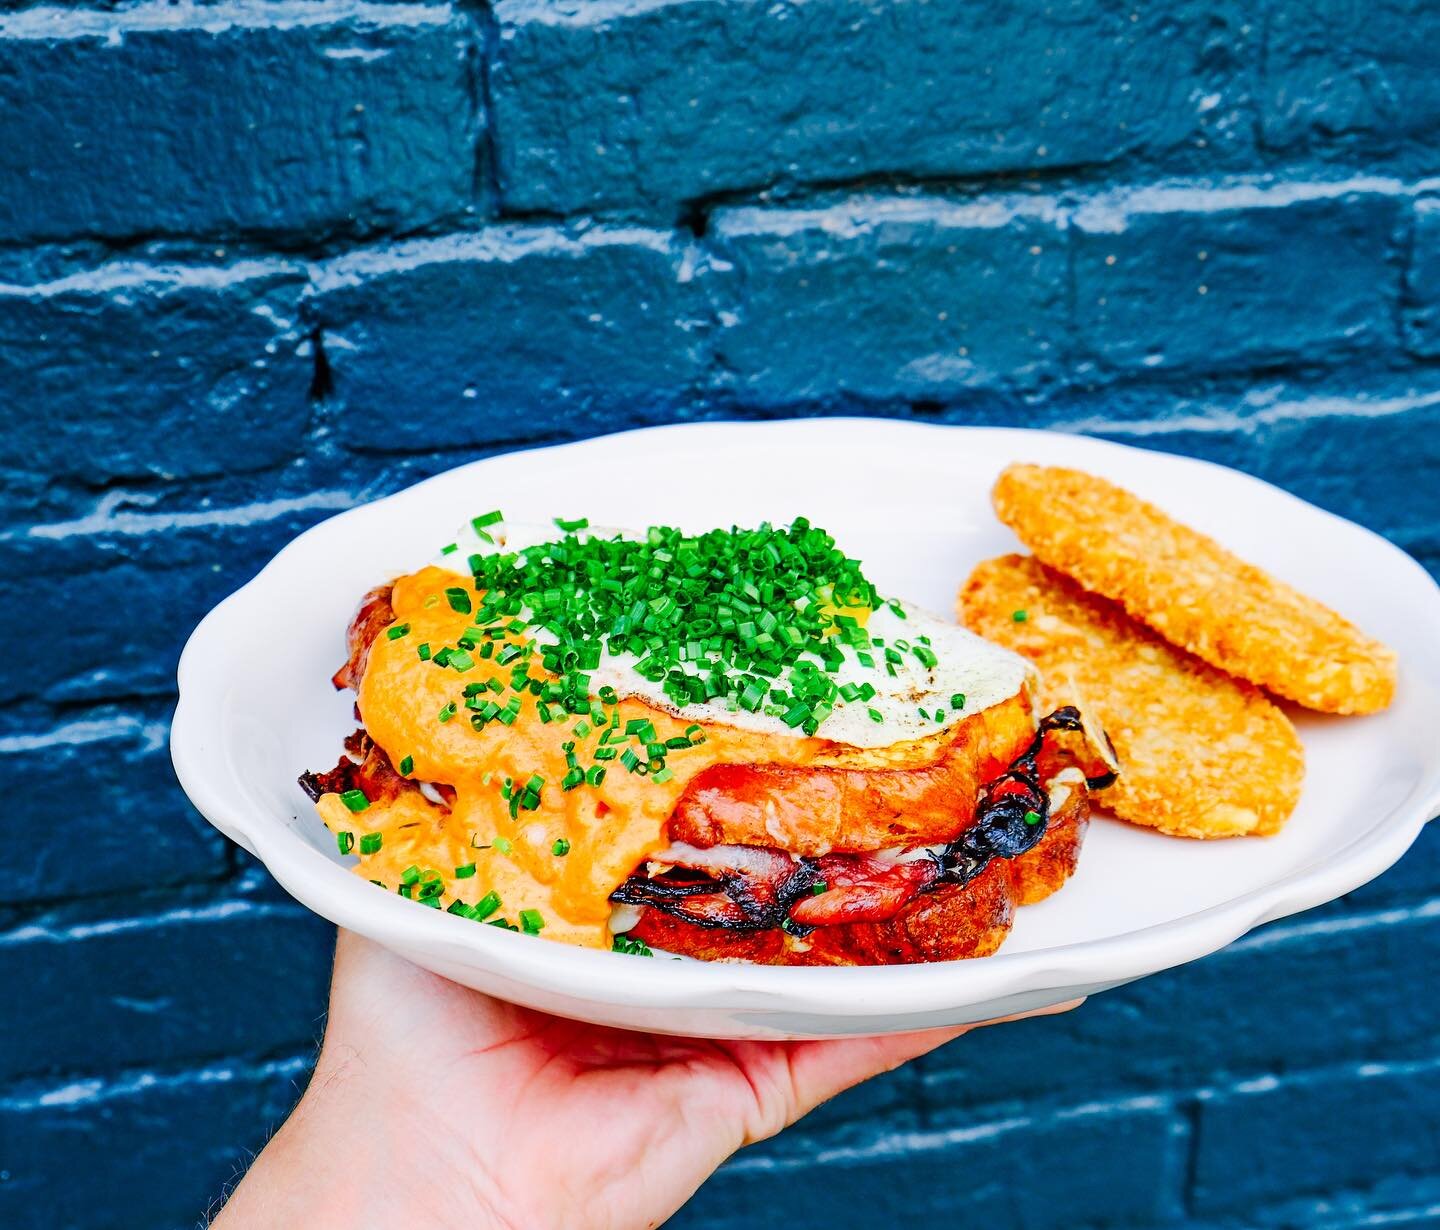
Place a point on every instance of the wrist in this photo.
(358, 1153)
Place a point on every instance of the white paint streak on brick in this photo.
(1225, 421)
(111, 516)
(112, 25)
(95, 730)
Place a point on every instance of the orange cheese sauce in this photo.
(612, 828)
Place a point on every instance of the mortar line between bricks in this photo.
(76, 1091)
(179, 250)
(1189, 1109)
(487, 152)
(108, 517)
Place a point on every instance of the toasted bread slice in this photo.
(1202, 754)
(1193, 591)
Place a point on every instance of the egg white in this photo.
(966, 664)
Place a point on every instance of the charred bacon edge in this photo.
(1000, 830)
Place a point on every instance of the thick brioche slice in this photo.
(1201, 754)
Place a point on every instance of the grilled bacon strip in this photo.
(364, 767)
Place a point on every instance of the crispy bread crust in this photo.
(1203, 755)
(1194, 592)
(952, 923)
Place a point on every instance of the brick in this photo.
(149, 1150)
(1307, 441)
(889, 298)
(1235, 276)
(350, 117)
(1274, 1138)
(169, 567)
(92, 806)
(1356, 77)
(131, 370)
(640, 105)
(1061, 1169)
(1422, 282)
(1293, 994)
(516, 332)
(184, 983)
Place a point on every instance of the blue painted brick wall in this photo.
(263, 259)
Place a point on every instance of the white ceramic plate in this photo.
(912, 501)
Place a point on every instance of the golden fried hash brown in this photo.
(1194, 592)
(1201, 754)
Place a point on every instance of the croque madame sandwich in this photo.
(727, 745)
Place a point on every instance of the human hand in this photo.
(430, 1100)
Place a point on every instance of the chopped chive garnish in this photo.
(487, 519)
(407, 766)
(503, 845)
(532, 921)
(957, 701)
(486, 906)
(458, 599)
(355, 800)
(448, 711)
(561, 847)
(396, 631)
(633, 948)
(819, 887)
(370, 843)
(346, 841)
(423, 651)
(465, 871)
(580, 523)
(1020, 616)
(875, 715)
(1032, 818)
(595, 774)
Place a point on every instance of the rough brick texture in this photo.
(185, 982)
(640, 105)
(143, 837)
(263, 259)
(1422, 319)
(254, 116)
(1246, 277)
(1361, 72)
(150, 1150)
(132, 370)
(519, 330)
(886, 298)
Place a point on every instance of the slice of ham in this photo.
(757, 887)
